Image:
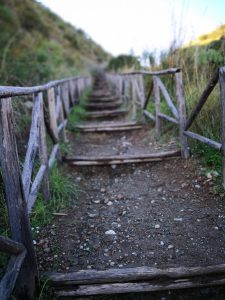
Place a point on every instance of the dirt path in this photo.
(153, 214)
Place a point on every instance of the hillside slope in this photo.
(36, 45)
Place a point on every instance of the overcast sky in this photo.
(122, 25)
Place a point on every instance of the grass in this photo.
(63, 193)
(78, 113)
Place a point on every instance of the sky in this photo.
(134, 26)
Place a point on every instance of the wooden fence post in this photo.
(52, 112)
(61, 115)
(43, 152)
(16, 203)
(133, 93)
(157, 107)
(185, 150)
(222, 99)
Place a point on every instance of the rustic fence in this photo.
(52, 103)
(131, 85)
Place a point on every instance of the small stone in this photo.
(92, 215)
(178, 219)
(170, 247)
(216, 227)
(153, 201)
(157, 226)
(159, 189)
(120, 197)
(96, 201)
(47, 250)
(120, 266)
(197, 186)
(215, 173)
(109, 203)
(161, 243)
(134, 253)
(113, 167)
(116, 180)
(112, 263)
(78, 179)
(110, 232)
(209, 176)
(124, 213)
(34, 242)
(89, 267)
(103, 190)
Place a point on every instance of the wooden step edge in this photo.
(120, 275)
(140, 287)
(110, 129)
(118, 160)
(124, 157)
(109, 124)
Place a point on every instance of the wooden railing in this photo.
(52, 103)
(132, 85)
(178, 111)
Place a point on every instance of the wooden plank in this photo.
(149, 115)
(166, 95)
(35, 188)
(61, 116)
(212, 83)
(7, 245)
(133, 97)
(8, 281)
(154, 73)
(203, 139)
(16, 202)
(157, 107)
(168, 118)
(133, 287)
(185, 150)
(222, 101)
(87, 277)
(52, 113)
(43, 153)
(32, 146)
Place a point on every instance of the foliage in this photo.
(37, 46)
(122, 62)
(63, 193)
(198, 64)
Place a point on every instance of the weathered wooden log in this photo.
(52, 113)
(107, 124)
(32, 146)
(7, 245)
(16, 202)
(106, 113)
(62, 126)
(157, 107)
(8, 281)
(112, 129)
(168, 118)
(148, 96)
(12, 91)
(122, 159)
(121, 288)
(65, 98)
(185, 150)
(53, 155)
(87, 277)
(35, 188)
(161, 72)
(212, 83)
(167, 97)
(222, 101)
(50, 132)
(203, 139)
(61, 116)
(43, 153)
(149, 115)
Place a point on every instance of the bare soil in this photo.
(161, 214)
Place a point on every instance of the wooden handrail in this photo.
(12, 91)
(161, 72)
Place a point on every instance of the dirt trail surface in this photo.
(153, 214)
